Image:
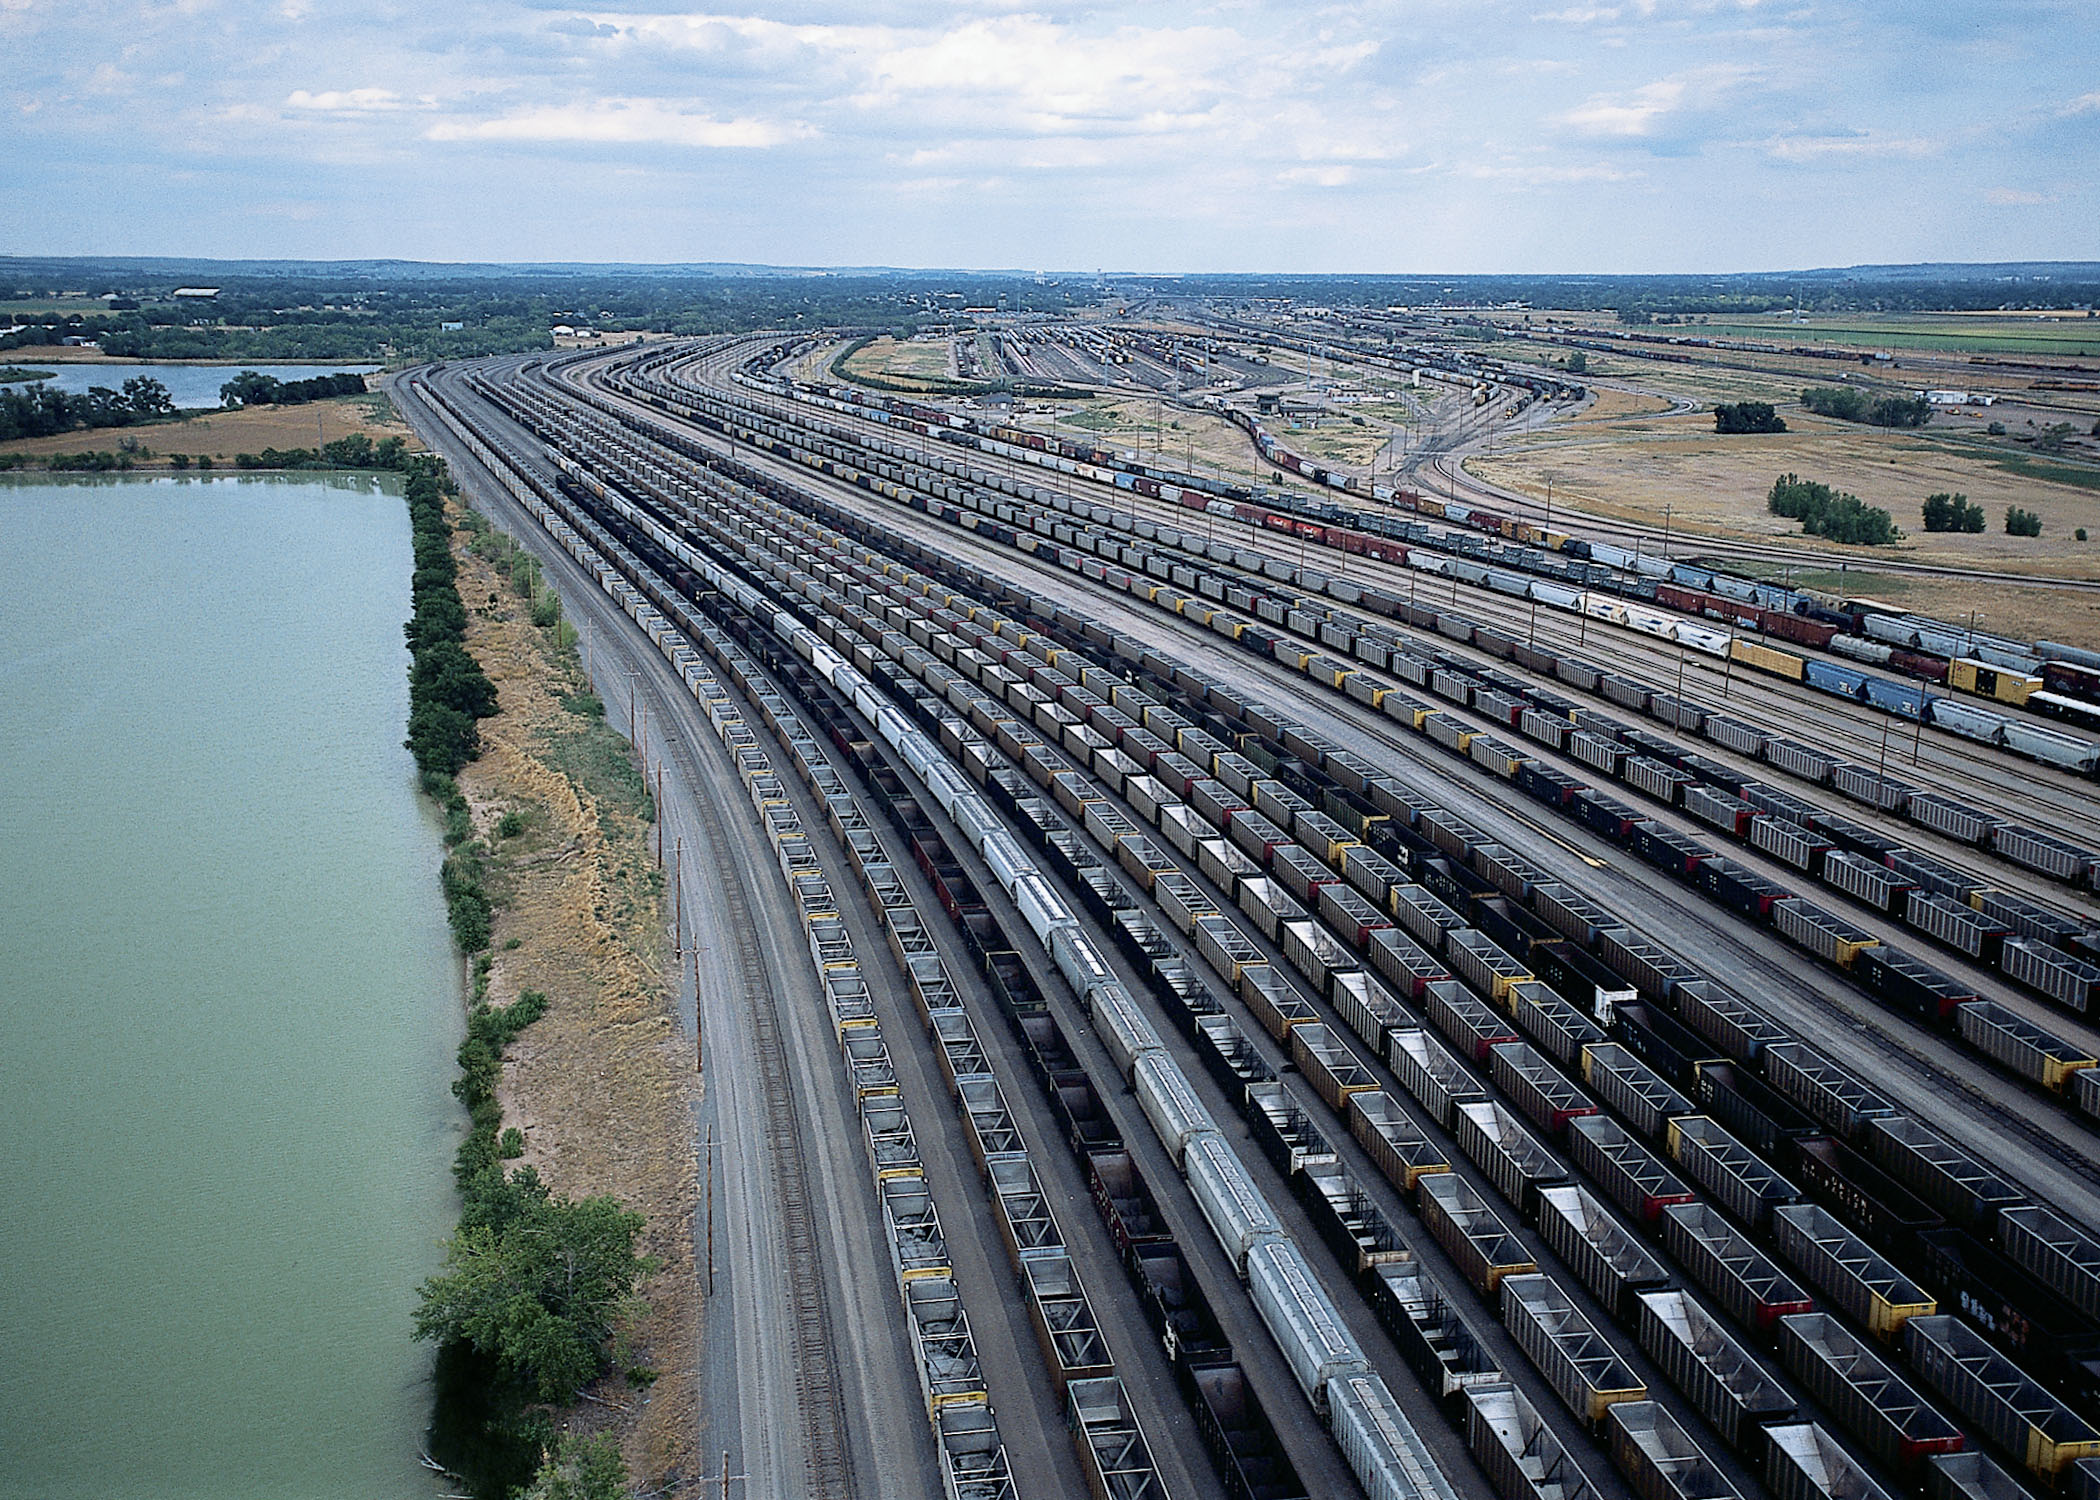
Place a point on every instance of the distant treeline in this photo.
(1849, 405)
(253, 388)
(42, 409)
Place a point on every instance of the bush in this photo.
(511, 824)
(1945, 512)
(1823, 511)
(1996, 429)
(2020, 522)
(2079, 533)
(1748, 416)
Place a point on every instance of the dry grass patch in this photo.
(222, 434)
(601, 1085)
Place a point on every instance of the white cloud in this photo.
(2084, 104)
(347, 101)
(2003, 197)
(1580, 15)
(1854, 145)
(1634, 114)
(648, 122)
(1332, 176)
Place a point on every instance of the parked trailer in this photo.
(2061, 1255)
(1726, 1383)
(1244, 1449)
(1474, 1236)
(1659, 1458)
(1380, 1445)
(1725, 1167)
(1882, 1411)
(1403, 1153)
(1970, 1476)
(1517, 1450)
(1428, 1071)
(1585, 1371)
(1635, 1091)
(1748, 1284)
(1630, 1174)
(2034, 1052)
(1803, 1462)
(1847, 1270)
(1823, 1090)
(1945, 1176)
(2007, 1405)
(1537, 1088)
(1496, 1141)
(1604, 1254)
(1112, 1450)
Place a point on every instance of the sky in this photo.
(1244, 135)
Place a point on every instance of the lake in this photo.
(230, 998)
(189, 385)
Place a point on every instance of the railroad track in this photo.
(2036, 1135)
(820, 1405)
(819, 1402)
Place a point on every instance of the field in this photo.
(2067, 335)
(222, 434)
(1632, 469)
(888, 358)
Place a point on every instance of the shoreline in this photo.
(600, 1085)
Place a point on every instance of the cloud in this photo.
(636, 122)
(2004, 197)
(1331, 176)
(2084, 104)
(1634, 114)
(1579, 15)
(347, 101)
(1853, 145)
(582, 26)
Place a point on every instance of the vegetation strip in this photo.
(536, 1285)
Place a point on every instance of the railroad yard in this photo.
(1278, 971)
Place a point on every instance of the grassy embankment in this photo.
(567, 1287)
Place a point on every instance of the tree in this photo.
(581, 1468)
(541, 1293)
(1945, 512)
(1848, 405)
(1823, 511)
(1578, 363)
(1748, 416)
(2020, 522)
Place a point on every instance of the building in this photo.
(195, 293)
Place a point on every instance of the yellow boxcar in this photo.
(1767, 659)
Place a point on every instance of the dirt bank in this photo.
(600, 1085)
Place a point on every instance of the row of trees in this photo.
(1823, 511)
(253, 388)
(1848, 405)
(448, 694)
(535, 1285)
(43, 409)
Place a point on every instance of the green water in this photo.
(227, 1000)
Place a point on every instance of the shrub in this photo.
(2020, 522)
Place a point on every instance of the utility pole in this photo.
(725, 1476)
(710, 1145)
